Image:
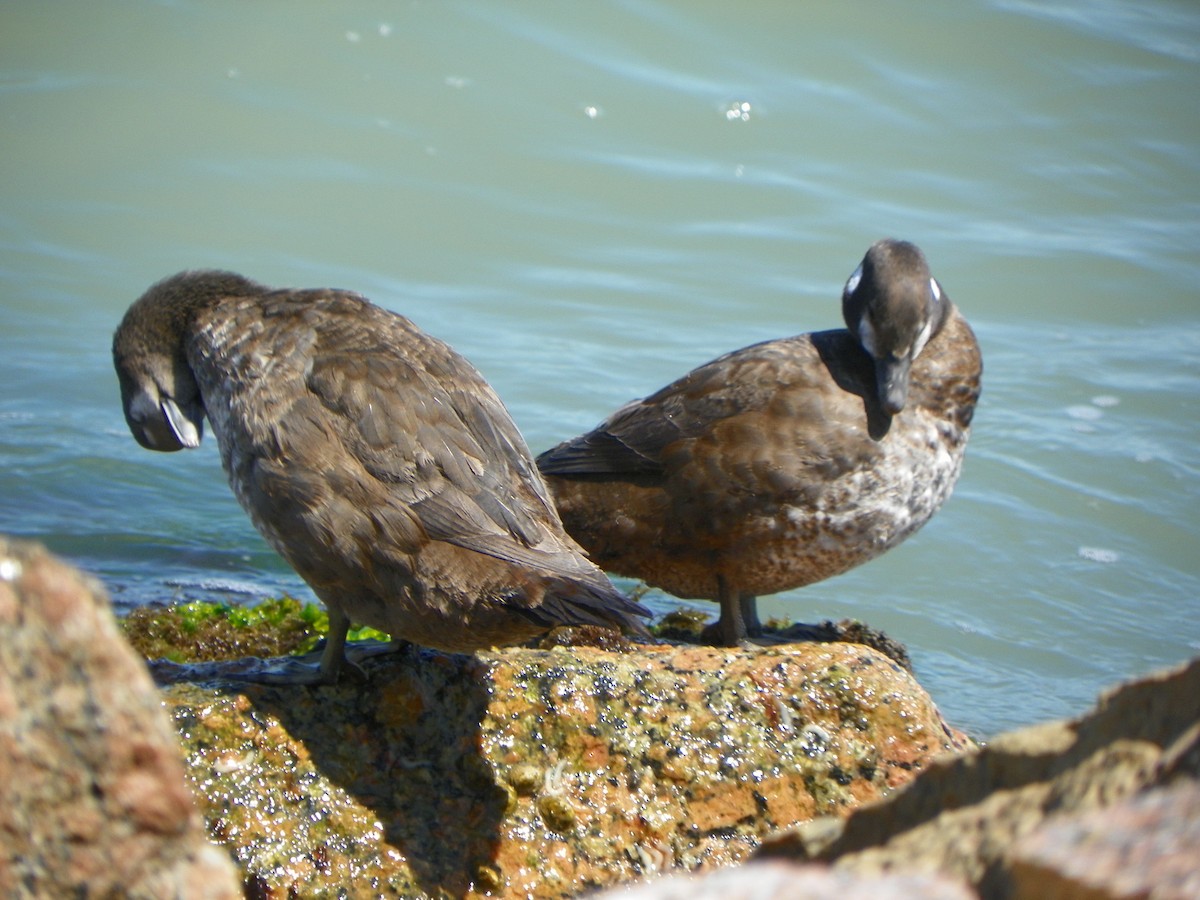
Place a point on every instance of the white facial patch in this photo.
(852, 282)
(143, 406)
(181, 426)
(922, 339)
(866, 333)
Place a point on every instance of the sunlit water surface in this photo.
(589, 199)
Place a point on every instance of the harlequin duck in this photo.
(374, 458)
(786, 462)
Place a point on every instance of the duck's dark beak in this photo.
(164, 425)
(891, 383)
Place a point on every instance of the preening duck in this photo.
(786, 462)
(374, 458)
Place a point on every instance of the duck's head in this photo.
(893, 307)
(159, 393)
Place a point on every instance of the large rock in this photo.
(1145, 846)
(775, 880)
(93, 801)
(1065, 809)
(544, 773)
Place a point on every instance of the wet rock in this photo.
(544, 772)
(93, 800)
(998, 816)
(781, 881)
(1146, 846)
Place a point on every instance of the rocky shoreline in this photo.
(560, 771)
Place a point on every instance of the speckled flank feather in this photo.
(779, 464)
(373, 457)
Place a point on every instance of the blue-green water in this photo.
(589, 199)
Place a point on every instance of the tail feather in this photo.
(583, 603)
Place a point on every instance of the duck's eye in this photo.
(852, 283)
(935, 290)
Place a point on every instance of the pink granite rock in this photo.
(1051, 810)
(780, 881)
(1146, 846)
(93, 801)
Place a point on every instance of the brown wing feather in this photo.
(419, 446)
(736, 412)
(422, 421)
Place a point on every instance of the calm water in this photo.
(589, 199)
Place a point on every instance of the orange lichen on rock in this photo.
(547, 772)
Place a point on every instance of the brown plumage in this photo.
(788, 461)
(373, 457)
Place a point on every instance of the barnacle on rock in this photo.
(488, 879)
(525, 778)
(557, 812)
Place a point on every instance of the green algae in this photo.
(202, 631)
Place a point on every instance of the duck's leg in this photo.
(334, 656)
(731, 628)
(301, 669)
(749, 608)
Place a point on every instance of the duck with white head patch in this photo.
(786, 462)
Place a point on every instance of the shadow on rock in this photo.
(381, 785)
